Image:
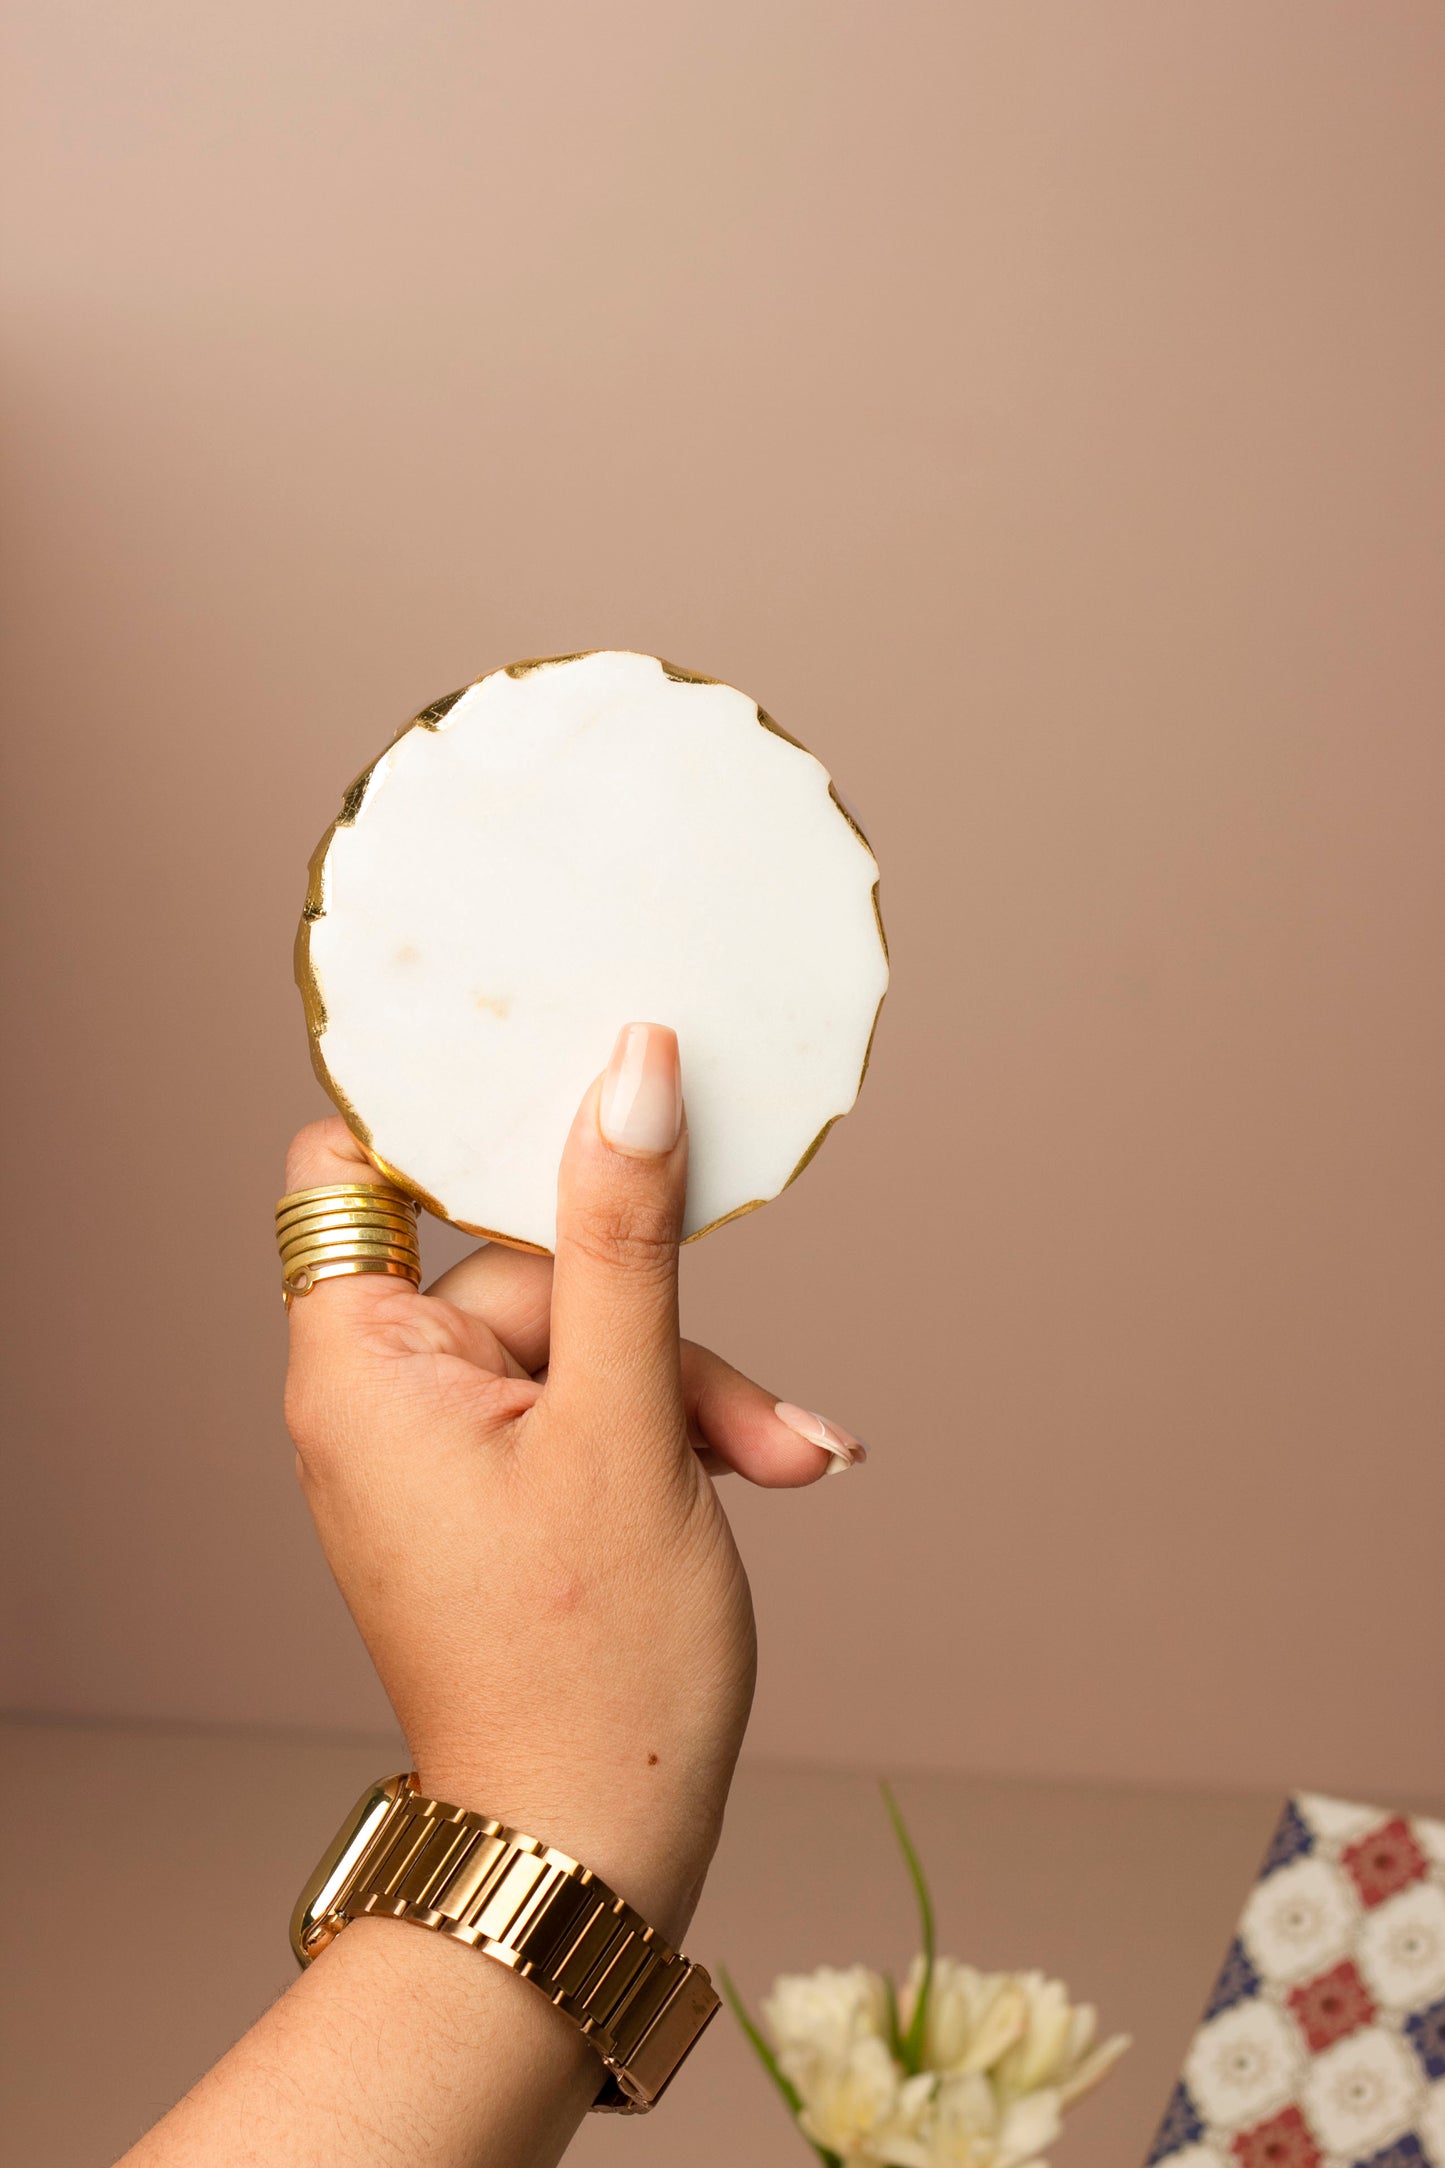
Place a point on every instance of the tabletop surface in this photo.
(1126, 1893)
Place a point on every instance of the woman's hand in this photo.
(510, 1476)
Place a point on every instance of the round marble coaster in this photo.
(559, 849)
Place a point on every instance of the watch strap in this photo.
(639, 2002)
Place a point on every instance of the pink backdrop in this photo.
(1039, 410)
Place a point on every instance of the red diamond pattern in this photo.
(1384, 1861)
(1323, 2043)
(1283, 2142)
(1328, 2008)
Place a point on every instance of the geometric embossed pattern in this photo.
(1323, 2040)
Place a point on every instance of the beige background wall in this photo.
(1039, 409)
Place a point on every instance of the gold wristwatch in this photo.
(399, 1855)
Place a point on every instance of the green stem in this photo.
(895, 2038)
(769, 2062)
(912, 2046)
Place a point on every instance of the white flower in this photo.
(1402, 1946)
(1243, 2063)
(971, 2127)
(830, 2029)
(816, 2017)
(1003, 2053)
(1018, 2026)
(1361, 2091)
(863, 2107)
(972, 2016)
(1299, 1919)
(1054, 2048)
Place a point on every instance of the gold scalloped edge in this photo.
(314, 907)
(813, 1149)
(883, 938)
(431, 717)
(543, 662)
(679, 676)
(506, 1242)
(788, 739)
(438, 1211)
(755, 1204)
(868, 1049)
(739, 1211)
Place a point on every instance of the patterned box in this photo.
(1323, 2045)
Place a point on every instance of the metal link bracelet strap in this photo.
(403, 1856)
(346, 1227)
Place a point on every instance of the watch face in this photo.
(313, 1923)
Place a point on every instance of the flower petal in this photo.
(1037, 2058)
(1000, 2026)
(1031, 2122)
(1093, 2068)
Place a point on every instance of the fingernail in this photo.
(641, 1107)
(846, 1450)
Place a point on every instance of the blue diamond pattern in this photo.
(1292, 1839)
(1181, 2126)
(1426, 2033)
(1406, 2152)
(1237, 1981)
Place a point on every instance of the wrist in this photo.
(652, 1849)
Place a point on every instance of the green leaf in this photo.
(911, 2050)
(769, 2062)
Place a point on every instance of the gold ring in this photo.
(350, 1230)
(341, 1228)
(348, 1196)
(347, 1245)
(321, 1217)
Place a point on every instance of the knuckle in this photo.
(314, 1151)
(637, 1237)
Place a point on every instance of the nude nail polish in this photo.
(640, 1112)
(845, 1450)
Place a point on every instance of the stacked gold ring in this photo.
(346, 1227)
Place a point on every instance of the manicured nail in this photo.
(845, 1450)
(641, 1106)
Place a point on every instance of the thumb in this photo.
(620, 1195)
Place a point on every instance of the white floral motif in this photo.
(1299, 1920)
(1402, 1947)
(1196, 2156)
(1336, 1820)
(1430, 1836)
(1362, 2091)
(1431, 2124)
(1243, 2064)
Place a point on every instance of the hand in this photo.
(509, 1475)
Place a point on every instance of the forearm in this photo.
(395, 2048)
